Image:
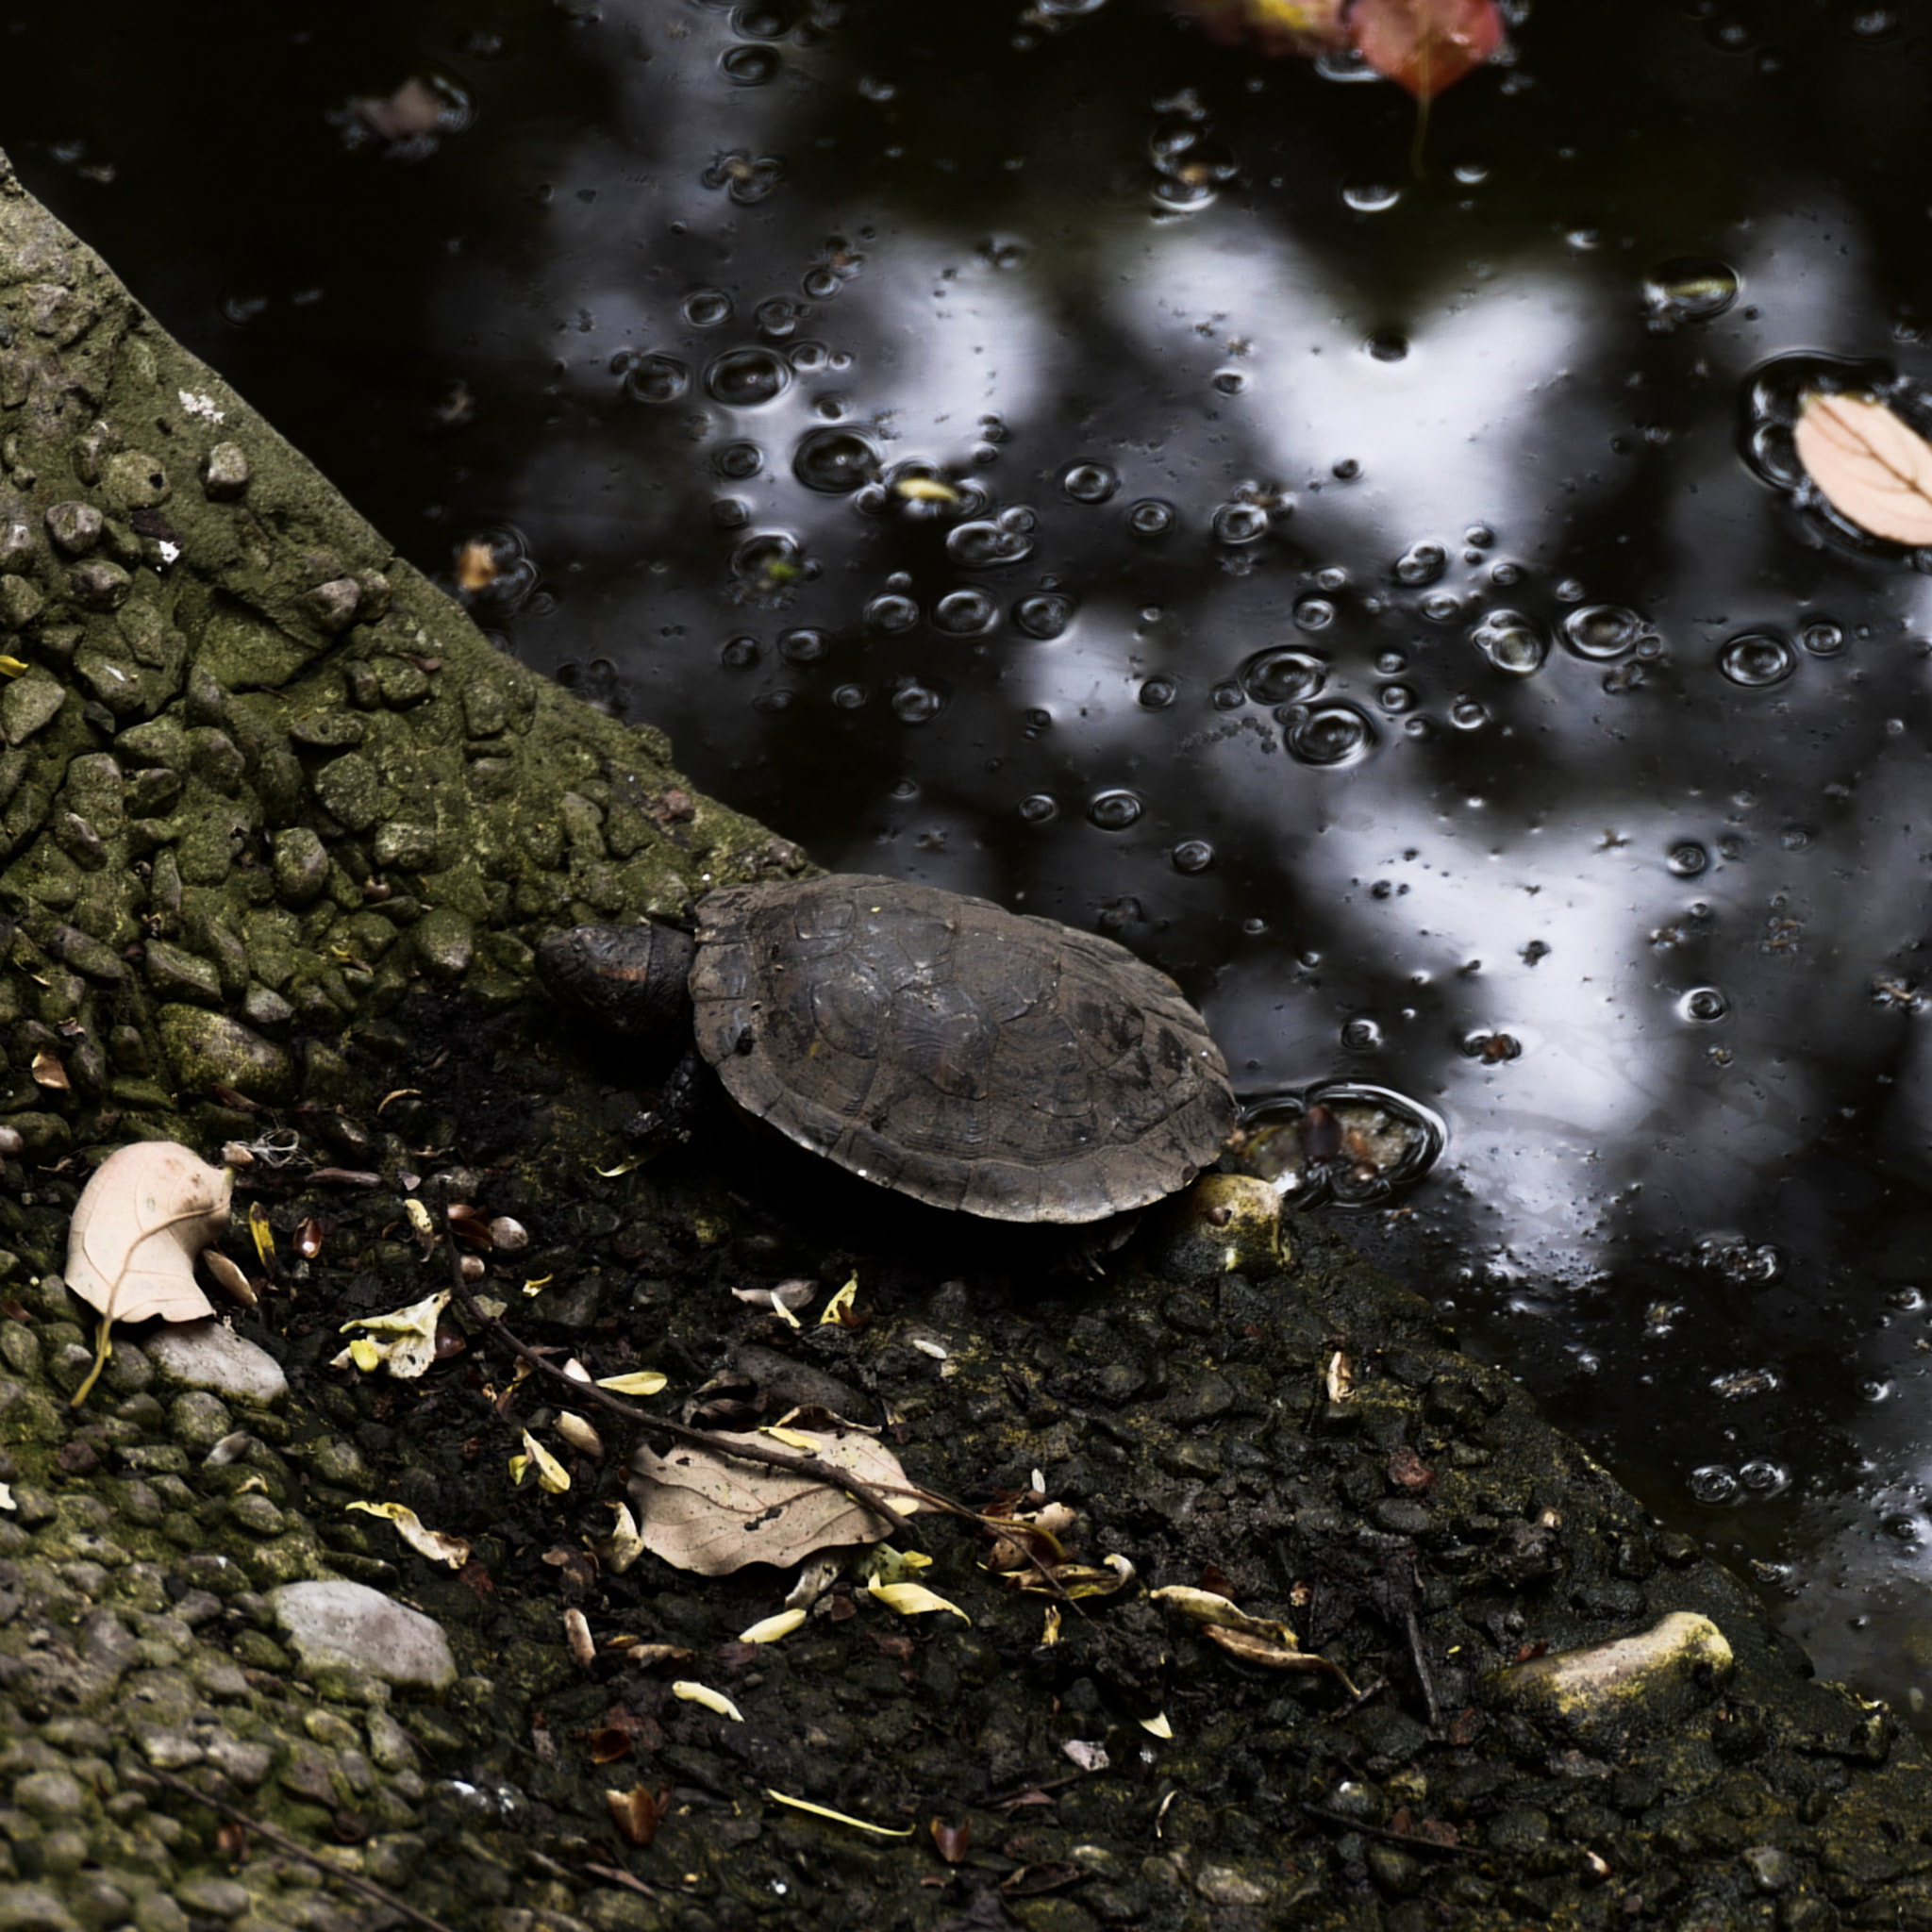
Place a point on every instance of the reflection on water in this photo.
(1044, 454)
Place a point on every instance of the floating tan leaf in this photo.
(837, 1816)
(413, 1347)
(912, 1599)
(711, 1700)
(710, 1513)
(1867, 465)
(432, 1543)
(149, 1209)
(769, 1629)
(640, 1382)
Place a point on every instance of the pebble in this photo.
(334, 1624)
(210, 1354)
(210, 1049)
(225, 474)
(1607, 1688)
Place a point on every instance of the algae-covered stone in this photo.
(301, 866)
(1610, 1690)
(20, 602)
(446, 942)
(178, 975)
(28, 704)
(348, 1625)
(210, 1049)
(350, 789)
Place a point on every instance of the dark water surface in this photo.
(1044, 454)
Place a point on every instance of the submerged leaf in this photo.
(432, 1543)
(707, 1512)
(1426, 46)
(1869, 465)
(837, 1816)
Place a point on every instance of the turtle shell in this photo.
(967, 1055)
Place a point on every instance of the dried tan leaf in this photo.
(769, 1629)
(690, 1692)
(640, 1382)
(712, 1514)
(1274, 1657)
(149, 1209)
(624, 1546)
(229, 1278)
(413, 1347)
(1204, 1607)
(1867, 465)
(912, 1599)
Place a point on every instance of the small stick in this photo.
(295, 1848)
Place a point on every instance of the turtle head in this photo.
(634, 978)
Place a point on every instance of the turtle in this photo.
(941, 1046)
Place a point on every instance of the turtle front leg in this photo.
(677, 1104)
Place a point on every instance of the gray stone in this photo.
(208, 1355)
(179, 974)
(134, 481)
(301, 865)
(199, 1420)
(74, 527)
(171, 1750)
(446, 942)
(349, 791)
(49, 1794)
(215, 1898)
(20, 602)
(34, 1908)
(333, 1625)
(225, 474)
(246, 1764)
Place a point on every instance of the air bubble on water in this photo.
(1037, 721)
(1313, 613)
(1468, 715)
(1714, 1484)
(730, 512)
(1396, 698)
(1906, 1299)
(1688, 859)
(1601, 632)
(916, 704)
(1044, 615)
(738, 654)
(1371, 195)
(1876, 1389)
(965, 613)
(1439, 607)
(1114, 810)
(809, 359)
(835, 462)
(1343, 65)
(803, 646)
(986, 544)
(1417, 726)
(1240, 522)
(1089, 482)
(1470, 171)
(656, 378)
(1151, 517)
(1687, 289)
(1756, 659)
(745, 66)
(1227, 696)
(1512, 643)
(1039, 808)
(892, 615)
(1157, 693)
(1764, 1477)
(849, 697)
(1333, 733)
(1387, 346)
(1361, 1034)
(1283, 676)
(1420, 564)
(1331, 579)
(1479, 537)
(1230, 382)
(706, 308)
(776, 316)
(1346, 471)
(738, 460)
(1346, 1142)
(775, 701)
(1823, 637)
(1505, 574)
(771, 562)
(1192, 856)
(1703, 1005)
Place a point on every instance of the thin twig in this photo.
(295, 1848)
(1410, 1842)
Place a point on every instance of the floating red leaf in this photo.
(1426, 46)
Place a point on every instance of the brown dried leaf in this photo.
(637, 1811)
(149, 1209)
(954, 1840)
(712, 1514)
(1868, 465)
(229, 1278)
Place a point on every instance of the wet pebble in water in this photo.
(835, 462)
(1602, 631)
(1115, 810)
(1756, 659)
(1089, 482)
(1512, 643)
(1329, 735)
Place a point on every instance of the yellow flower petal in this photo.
(711, 1700)
(912, 1599)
